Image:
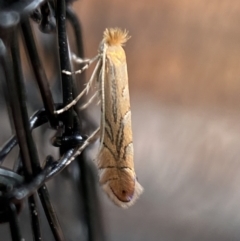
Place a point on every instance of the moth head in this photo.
(115, 36)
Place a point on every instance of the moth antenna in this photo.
(103, 97)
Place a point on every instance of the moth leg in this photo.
(99, 102)
(88, 63)
(88, 141)
(85, 90)
(79, 60)
(89, 102)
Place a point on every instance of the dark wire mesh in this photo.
(27, 178)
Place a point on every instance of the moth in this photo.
(115, 157)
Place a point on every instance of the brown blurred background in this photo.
(184, 68)
(184, 52)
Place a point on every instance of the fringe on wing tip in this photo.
(138, 191)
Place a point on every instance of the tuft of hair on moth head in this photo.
(115, 36)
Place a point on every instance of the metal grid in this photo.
(28, 177)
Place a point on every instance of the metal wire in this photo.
(28, 177)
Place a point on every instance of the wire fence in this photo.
(29, 174)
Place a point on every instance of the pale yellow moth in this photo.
(115, 157)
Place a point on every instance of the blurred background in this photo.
(184, 67)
